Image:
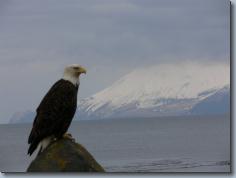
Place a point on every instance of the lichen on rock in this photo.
(65, 155)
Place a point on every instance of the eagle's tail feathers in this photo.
(45, 142)
(40, 151)
(40, 144)
(32, 147)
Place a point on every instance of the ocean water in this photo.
(170, 144)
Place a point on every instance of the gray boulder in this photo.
(65, 155)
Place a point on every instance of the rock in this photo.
(65, 155)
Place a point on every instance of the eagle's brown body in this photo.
(54, 113)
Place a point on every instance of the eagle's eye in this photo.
(76, 68)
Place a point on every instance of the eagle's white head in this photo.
(72, 73)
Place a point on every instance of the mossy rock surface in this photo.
(64, 155)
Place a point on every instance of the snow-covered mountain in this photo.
(158, 90)
(217, 103)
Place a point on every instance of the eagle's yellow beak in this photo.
(82, 70)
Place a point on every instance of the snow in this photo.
(147, 87)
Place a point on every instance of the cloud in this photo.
(109, 37)
(120, 30)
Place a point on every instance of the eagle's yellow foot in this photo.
(68, 136)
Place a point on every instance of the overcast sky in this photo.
(108, 37)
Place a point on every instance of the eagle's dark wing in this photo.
(54, 113)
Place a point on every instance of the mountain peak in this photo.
(151, 87)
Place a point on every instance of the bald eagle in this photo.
(56, 110)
